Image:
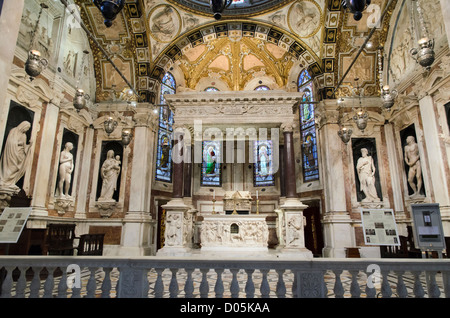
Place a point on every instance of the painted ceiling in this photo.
(274, 41)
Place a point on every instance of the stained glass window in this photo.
(310, 160)
(211, 167)
(211, 89)
(164, 146)
(262, 169)
(168, 86)
(262, 88)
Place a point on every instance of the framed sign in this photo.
(379, 227)
(427, 230)
(12, 222)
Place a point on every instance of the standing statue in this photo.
(412, 159)
(366, 174)
(109, 172)
(16, 157)
(65, 170)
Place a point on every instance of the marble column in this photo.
(178, 221)
(438, 176)
(80, 210)
(137, 222)
(289, 161)
(338, 231)
(10, 20)
(292, 208)
(41, 189)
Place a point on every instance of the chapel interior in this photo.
(168, 131)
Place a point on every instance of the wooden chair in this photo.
(91, 244)
(60, 239)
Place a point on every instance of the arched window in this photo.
(262, 88)
(211, 89)
(310, 160)
(262, 169)
(168, 86)
(164, 146)
(211, 175)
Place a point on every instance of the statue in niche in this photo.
(366, 174)
(66, 166)
(412, 159)
(109, 172)
(16, 157)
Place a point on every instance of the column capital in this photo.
(288, 127)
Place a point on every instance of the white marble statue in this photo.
(65, 170)
(109, 172)
(16, 157)
(366, 174)
(412, 159)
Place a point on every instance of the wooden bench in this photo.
(91, 244)
(60, 239)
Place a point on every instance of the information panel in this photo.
(428, 231)
(12, 222)
(379, 227)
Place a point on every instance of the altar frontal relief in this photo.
(379, 227)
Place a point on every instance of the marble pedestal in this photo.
(177, 240)
(292, 224)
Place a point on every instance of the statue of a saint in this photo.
(65, 170)
(366, 174)
(109, 172)
(16, 157)
(412, 159)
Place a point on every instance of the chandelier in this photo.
(356, 7)
(109, 9)
(387, 96)
(217, 7)
(361, 117)
(344, 133)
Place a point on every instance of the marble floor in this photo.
(242, 278)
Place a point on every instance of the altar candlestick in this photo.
(256, 194)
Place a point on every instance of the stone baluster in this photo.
(338, 288)
(234, 287)
(294, 286)
(264, 288)
(249, 285)
(370, 292)
(49, 283)
(218, 288)
(7, 283)
(35, 282)
(62, 286)
(173, 286)
(204, 285)
(21, 283)
(418, 288)
(433, 289)
(106, 285)
(446, 282)
(91, 285)
(386, 290)
(159, 286)
(355, 290)
(281, 286)
(401, 287)
(189, 284)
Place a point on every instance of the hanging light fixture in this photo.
(109, 9)
(387, 96)
(356, 7)
(424, 53)
(126, 137)
(80, 98)
(344, 133)
(109, 124)
(217, 7)
(34, 64)
(361, 117)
